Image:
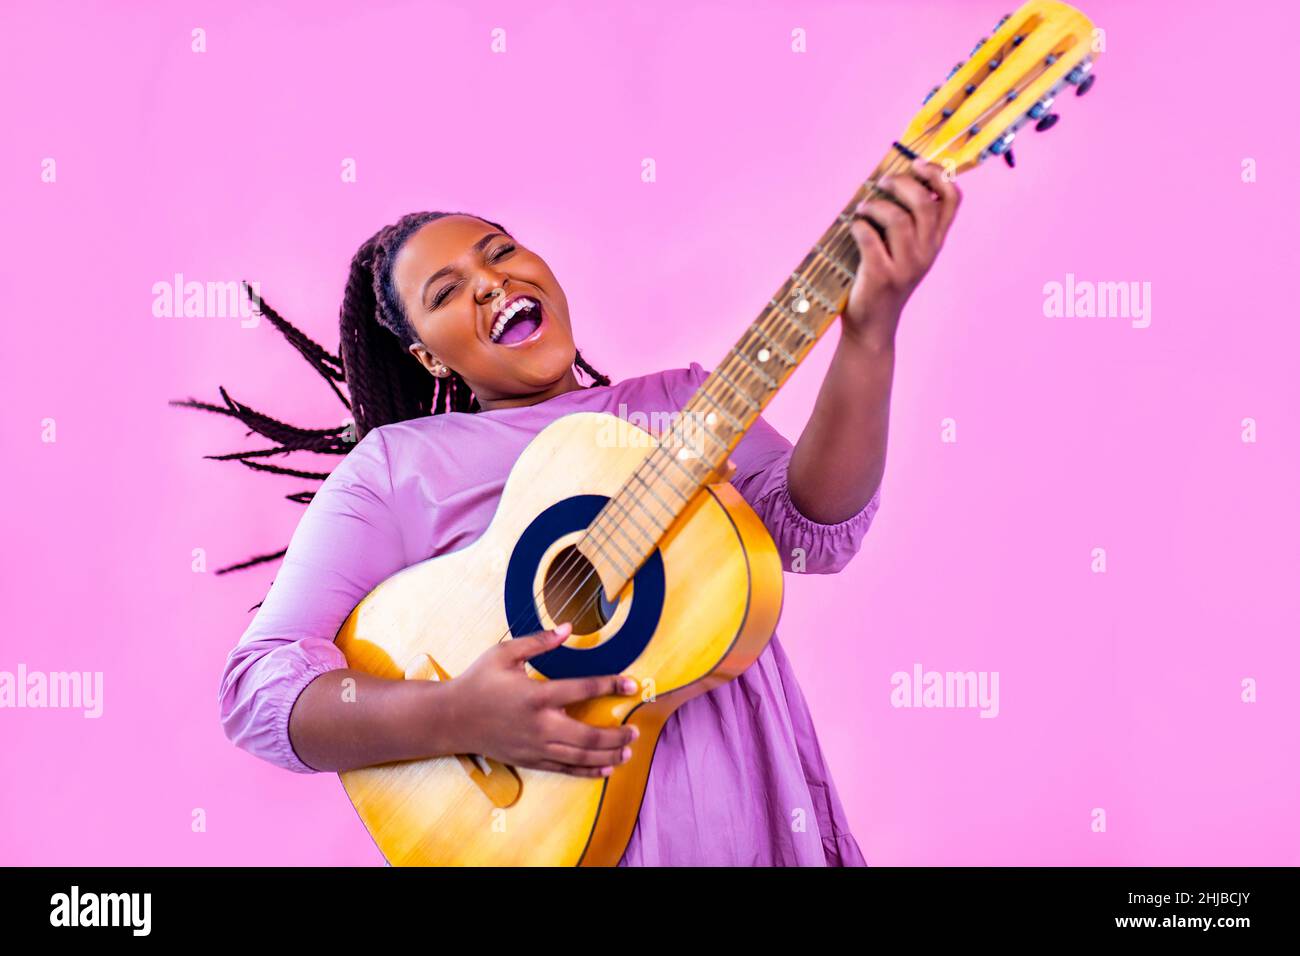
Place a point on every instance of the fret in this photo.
(650, 462)
(785, 356)
(615, 501)
(771, 383)
(699, 453)
(618, 524)
(695, 479)
(737, 389)
(655, 495)
(735, 422)
(839, 266)
(600, 546)
(794, 319)
(810, 286)
(716, 440)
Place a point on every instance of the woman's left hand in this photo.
(913, 231)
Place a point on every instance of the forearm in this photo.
(839, 460)
(375, 720)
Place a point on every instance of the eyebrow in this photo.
(478, 247)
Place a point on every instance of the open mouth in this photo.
(518, 321)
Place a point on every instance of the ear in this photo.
(428, 360)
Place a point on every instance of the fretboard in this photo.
(694, 451)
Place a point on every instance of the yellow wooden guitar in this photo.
(668, 575)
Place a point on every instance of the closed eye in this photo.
(443, 293)
(447, 290)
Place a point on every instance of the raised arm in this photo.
(839, 460)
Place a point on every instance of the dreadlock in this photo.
(384, 382)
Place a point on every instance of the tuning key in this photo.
(1047, 122)
(1086, 85)
(1039, 109)
(1010, 157)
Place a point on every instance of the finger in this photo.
(895, 225)
(916, 198)
(942, 186)
(525, 648)
(571, 690)
(579, 757)
(871, 244)
(571, 732)
(556, 767)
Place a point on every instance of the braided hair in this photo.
(384, 382)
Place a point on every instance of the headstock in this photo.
(1011, 78)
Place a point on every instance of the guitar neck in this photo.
(1010, 78)
(695, 450)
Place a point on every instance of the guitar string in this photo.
(838, 245)
(761, 327)
(841, 243)
(997, 105)
(831, 252)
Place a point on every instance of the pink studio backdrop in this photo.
(1120, 691)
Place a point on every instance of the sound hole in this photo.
(571, 591)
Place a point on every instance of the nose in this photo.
(490, 286)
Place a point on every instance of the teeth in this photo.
(519, 305)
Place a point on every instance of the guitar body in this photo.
(695, 615)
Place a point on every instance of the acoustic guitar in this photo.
(669, 576)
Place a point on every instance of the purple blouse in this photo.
(737, 779)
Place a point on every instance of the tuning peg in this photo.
(1086, 85)
(1047, 122)
(1010, 157)
(953, 71)
(929, 95)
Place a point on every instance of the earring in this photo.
(440, 371)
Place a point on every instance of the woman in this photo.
(447, 388)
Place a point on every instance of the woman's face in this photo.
(458, 278)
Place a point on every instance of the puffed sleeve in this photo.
(762, 458)
(346, 542)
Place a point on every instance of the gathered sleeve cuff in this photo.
(806, 545)
(263, 680)
(762, 460)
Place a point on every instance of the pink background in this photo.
(1119, 691)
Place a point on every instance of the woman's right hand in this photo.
(498, 711)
